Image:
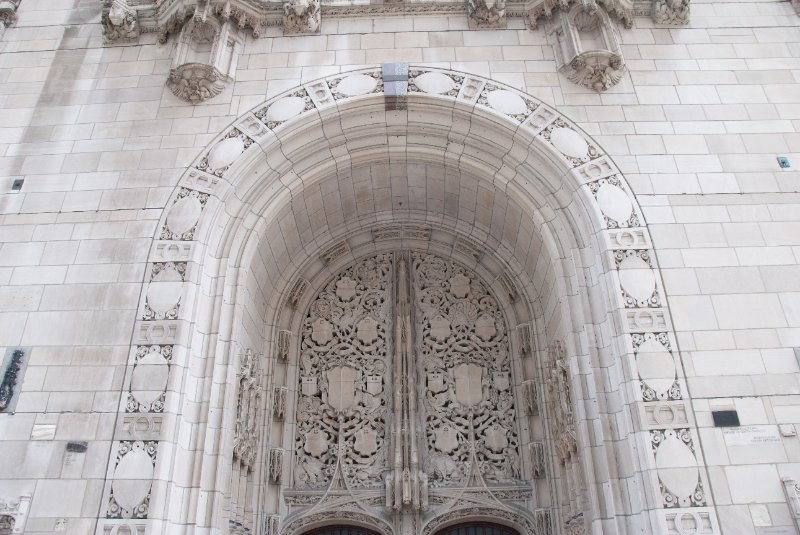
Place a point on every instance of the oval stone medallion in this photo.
(506, 102)
(285, 108)
(225, 152)
(149, 378)
(614, 203)
(656, 366)
(569, 142)
(636, 278)
(164, 291)
(677, 466)
(434, 83)
(132, 478)
(356, 84)
(184, 215)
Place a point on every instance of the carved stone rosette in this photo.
(205, 59)
(587, 48)
(672, 12)
(486, 13)
(301, 17)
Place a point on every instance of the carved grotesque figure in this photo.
(674, 12)
(301, 16)
(487, 13)
(119, 22)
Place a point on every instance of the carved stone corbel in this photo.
(486, 13)
(673, 12)
(276, 465)
(206, 57)
(301, 17)
(282, 345)
(280, 394)
(8, 14)
(587, 48)
(119, 21)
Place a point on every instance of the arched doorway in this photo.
(477, 528)
(474, 172)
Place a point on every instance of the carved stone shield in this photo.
(446, 439)
(321, 331)
(440, 329)
(485, 327)
(496, 439)
(374, 384)
(366, 442)
(341, 387)
(367, 330)
(459, 286)
(345, 288)
(436, 382)
(501, 381)
(469, 389)
(316, 443)
(308, 385)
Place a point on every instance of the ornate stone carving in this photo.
(279, 395)
(297, 292)
(133, 475)
(530, 396)
(486, 13)
(245, 442)
(344, 367)
(272, 525)
(119, 21)
(14, 514)
(225, 152)
(655, 364)
(538, 465)
(335, 252)
(524, 336)
(301, 16)
(12, 374)
(147, 389)
(678, 473)
(559, 393)
(205, 58)
(792, 490)
(276, 465)
(163, 295)
(672, 12)
(183, 215)
(283, 343)
(8, 14)
(468, 405)
(544, 525)
(587, 47)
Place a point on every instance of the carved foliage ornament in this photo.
(463, 348)
(344, 366)
(672, 12)
(119, 21)
(486, 13)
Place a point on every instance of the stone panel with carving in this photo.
(463, 358)
(344, 366)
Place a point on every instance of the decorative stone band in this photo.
(665, 422)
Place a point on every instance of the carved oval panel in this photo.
(677, 465)
(569, 142)
(614, 203)
(132, 478)
(225, 152)
(184, 215)
(434, 83)
(356, 84)
(285, 108)
(149, 378)
(637, 278)
(164, 292)
(507, 102)
(656, 365)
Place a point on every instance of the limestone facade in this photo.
(269, 266)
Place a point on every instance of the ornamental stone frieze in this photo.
(206, 57)
(587, 47)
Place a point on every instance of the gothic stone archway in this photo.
(479, 173)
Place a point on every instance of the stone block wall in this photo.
(695, 124)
